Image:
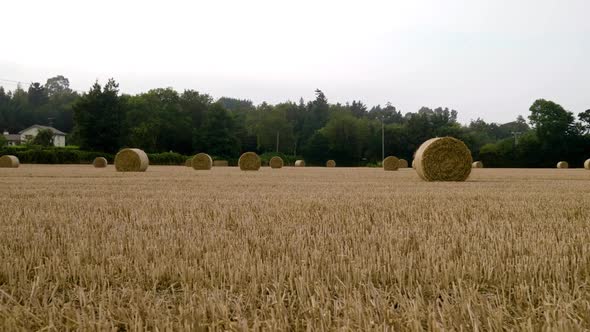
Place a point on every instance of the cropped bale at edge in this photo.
(9, 161)
(131, 160)
(402, 163)
(189, 162)
(300, 163)
(563, 164)
(276, 162)
(249, 161)
(331, 163)
(390, 163)
(477, 164)
(587, 164)
(443, 159)
(100, 162)
(202, 162)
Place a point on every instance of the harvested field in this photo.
(312, 248)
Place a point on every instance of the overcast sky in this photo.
(488, 59)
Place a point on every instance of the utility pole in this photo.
(516, 134)
(277, 142)
(382, 140)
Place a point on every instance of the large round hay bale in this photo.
(276, 162)
(220, 163)
(131, 160)
(563, 164)
(390, 163)
(202, 162)
(9, 161)
(402, 163)
(300, 163)
(100, 162)
(477, 164)
(443, 159)
(249, 161)
(189, 162)
(331, 163)
(587, 164)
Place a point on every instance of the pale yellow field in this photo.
(293, 249)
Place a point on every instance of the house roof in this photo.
(12, 138)
(55, 131)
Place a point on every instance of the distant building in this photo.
(59, 137)
(13, 139)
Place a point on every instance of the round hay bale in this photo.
(300, 163)
(100, 162)
(330, 163)
(443, 159)
(249, 161)
(202, 162)
(390, 163)
(189, 162)
(9, 161)
(131, 160)
(587, 164)
(563, 164)
(402, 163)
(477, 164)
(276, 162)
(220, 163)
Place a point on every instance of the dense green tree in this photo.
(44, 138)
(550, 120)
(216, 136)
(99, 116)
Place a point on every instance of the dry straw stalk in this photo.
(9, 161)
(443, 159)
(249, 161)
(563, 164)
(202, 162)
(276, 162)
(390, 163)
(100, 162)
(131, 160)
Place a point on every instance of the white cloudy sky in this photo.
(488, 59)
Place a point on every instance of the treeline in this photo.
(164, 120)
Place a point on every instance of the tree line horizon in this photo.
(163, 119)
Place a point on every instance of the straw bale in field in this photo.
(443, 159)
(202, 161)
(300, 163)
(390, 163)
(402, 163)
(275, 162)
(249, 161)
(587, 164)
(220, 163)
(9, 161)
(100, 162)
(477, 164)
(563, 164)
(131, 160)
(189, 162)
(331, 163)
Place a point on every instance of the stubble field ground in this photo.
(293, 249)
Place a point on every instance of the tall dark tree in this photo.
(99, 116)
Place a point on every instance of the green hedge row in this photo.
(71, 156)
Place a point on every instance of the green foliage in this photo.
(3, 141)
(167, 158)
(44, 138)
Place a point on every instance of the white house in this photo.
(13, 139)
(59, 137)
